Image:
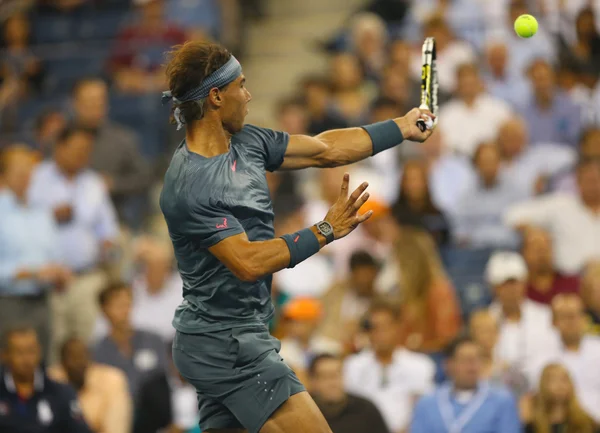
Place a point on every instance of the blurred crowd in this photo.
(475, 284)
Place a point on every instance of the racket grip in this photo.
(421, 125)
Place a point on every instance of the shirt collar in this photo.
(38, 381)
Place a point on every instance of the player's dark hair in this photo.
(456, 344)
(189, 64)
(314, 364)
(112, 289)
(15, 330)
(362, 258)
(72, 130)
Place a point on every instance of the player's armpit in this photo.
(250, 261)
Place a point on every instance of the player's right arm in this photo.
(250, 261)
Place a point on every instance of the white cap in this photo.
(504, 266)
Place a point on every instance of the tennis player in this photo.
(218, 209)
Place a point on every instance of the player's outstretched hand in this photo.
(343, 215)
(409, 128)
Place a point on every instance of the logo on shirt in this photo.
(296, 238)
(224, 225)
(233, 165)
(45, 414)
(145, 360)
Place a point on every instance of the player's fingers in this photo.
(426, 113)
(345, 182)
(362, 218)
(357, 193)
(362, 200)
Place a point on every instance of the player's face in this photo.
(23, 354)
(235, 105)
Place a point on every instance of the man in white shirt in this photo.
(473, 116)
(390, 376)
(578, 352)
(530, 167)
(525, 326)
(572, 220)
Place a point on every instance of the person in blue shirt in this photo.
(218, 209)
(466, 404)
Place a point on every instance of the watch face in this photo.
(325, 227)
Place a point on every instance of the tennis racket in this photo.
(429, 84)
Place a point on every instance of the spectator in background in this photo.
(116, 152)
(397, 83)
(101, 390)
(571, 220)
(48, 127)
(555, 407)
(544, 281)
(166, 403)
(345, 413)
(577, 352)
(484, 329)
(415, 207)
(525, 326)
(589, 148)
(346, 302)
(531, 168)
(301, 341)
(30, 400)
(477, 221)
(135, 352)
(451, 53)
(292, 116)
(200, 19)
(551, 115)
(467, 403)
(156, 288)
(584, 53)
(87, 230)
(500, 81)
(390, 376)
(590, 291)
(349, 96)
(317, 93)
(30, 261)
(430, 310)
(369, 39)
(473, 116)
(138, 53)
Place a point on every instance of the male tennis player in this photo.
(218, 209)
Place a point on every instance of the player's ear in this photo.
(215, 97)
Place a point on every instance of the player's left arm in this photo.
(345, 146)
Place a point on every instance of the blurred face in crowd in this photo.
(497, 59)
(590, 146)
(400, 55)
(331, 183)
(465, 366)
(512, 138)
(537, 251)
(510, 293)
(73, 154)
(317, 97)
(16, 31)
(469, 84)
(363, 279)
(18, 166)
(569, 318)
(383, 332)
(301, 330)
(588, 181)
(487, 163)
(433, 146)
(484, 330)
(345, 72)
(117, 308)
(438, 29)
(517, 8)
(590, 287)
(543, 79)
(152, 13)
(394, 85)
(91, 103)
(369, 35)
(75, 361)
(22, 355)
(293, 119)
(414, 181)
(50, 127)
(158, 269)
(327, 381)
(385, 112)
(555, 385)
(585, 25)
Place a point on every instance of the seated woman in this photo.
(430, 311)
(555, 409)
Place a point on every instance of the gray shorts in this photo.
(238, 375)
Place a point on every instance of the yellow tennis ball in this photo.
(526, 26)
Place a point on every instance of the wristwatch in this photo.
(325, 229)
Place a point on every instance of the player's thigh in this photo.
(299, 414)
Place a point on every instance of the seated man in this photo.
(102, 390)
(345, 413)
